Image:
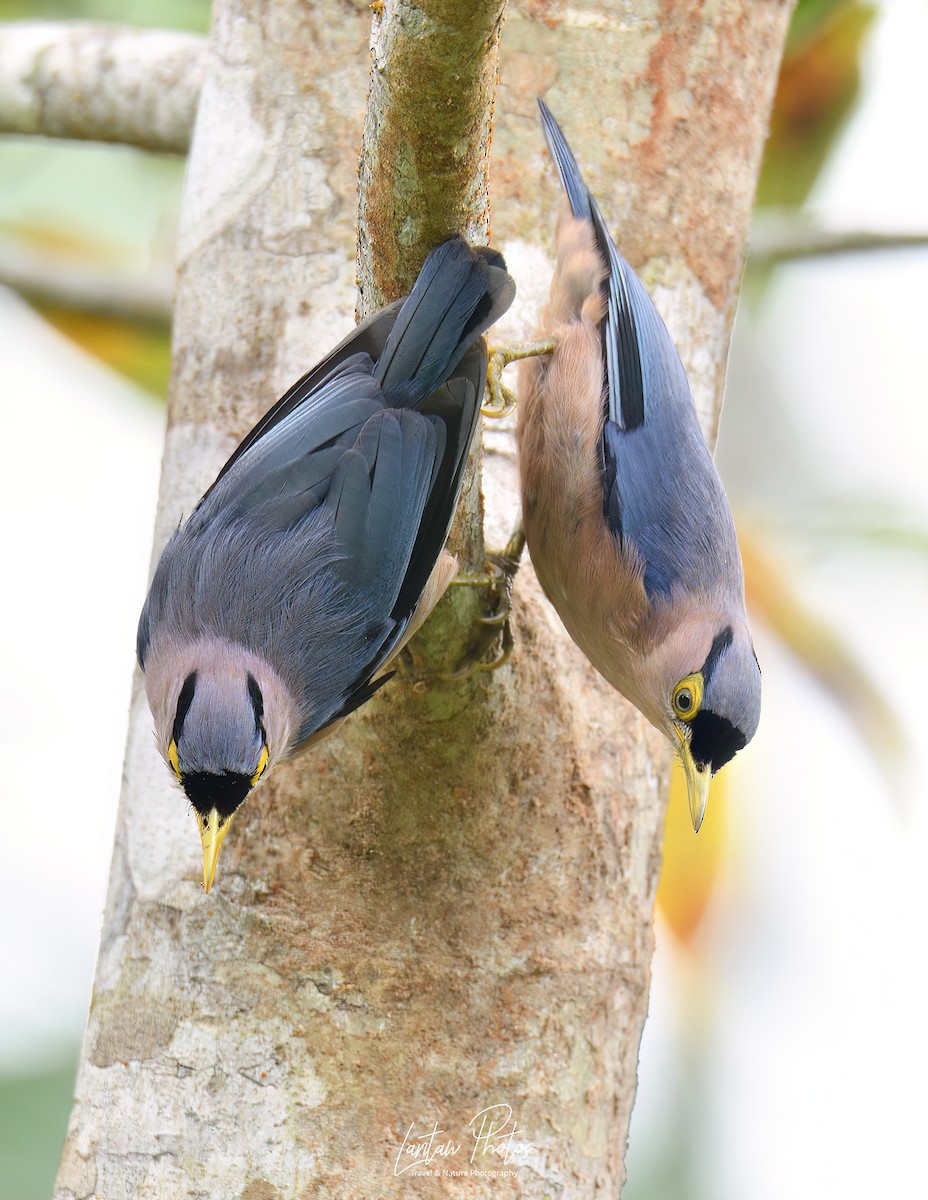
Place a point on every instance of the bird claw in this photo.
(471, 668)
(499, 574)
(501, 400)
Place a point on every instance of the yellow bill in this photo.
(213, 829)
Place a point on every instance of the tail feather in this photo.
(619, 332)
(459, 293)
(577, 192)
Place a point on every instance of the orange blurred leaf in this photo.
(691, 860)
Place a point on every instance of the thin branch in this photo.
(52, 278)
(100, 83)
(784, 238)
(424, 174)
(425, 152)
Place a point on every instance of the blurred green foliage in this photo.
(141, 352)
(192, 15)
(33, 1118)
(108, 207)
(816, 93)
(91, 204)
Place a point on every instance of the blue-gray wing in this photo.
(327, 557)
(368, 338)
(315, 542)
(661, 491)
(257, 534)
(460, 292)
(288, 470)
(618, 333)
(379, 494)
(392, 501)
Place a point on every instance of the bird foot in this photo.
(501, 400)
(501, 568)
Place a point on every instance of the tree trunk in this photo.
(431, 937)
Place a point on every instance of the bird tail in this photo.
(460, 292)
(577, 192)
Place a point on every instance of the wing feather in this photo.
(661, 492)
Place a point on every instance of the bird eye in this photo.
(173, 759)
(261, 767)
(687, 697)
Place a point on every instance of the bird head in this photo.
(218, 750)
(705, 697)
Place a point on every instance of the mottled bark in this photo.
(671, 99)
(426, 148)
(445, 908)
(100, 82)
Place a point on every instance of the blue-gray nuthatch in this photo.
(319, 549)
(627, 523)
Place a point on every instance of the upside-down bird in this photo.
(319, 549)
(627, 523)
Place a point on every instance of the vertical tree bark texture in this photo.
(423, 175)
(666, 103)
(446, 908)
(426, 148)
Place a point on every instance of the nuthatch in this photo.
(627, 523)
(319, 549)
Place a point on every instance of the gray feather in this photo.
(662, 489)
(291, 468)
(312, 547)
(377, 497)
(457, 296)
(578, 193)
